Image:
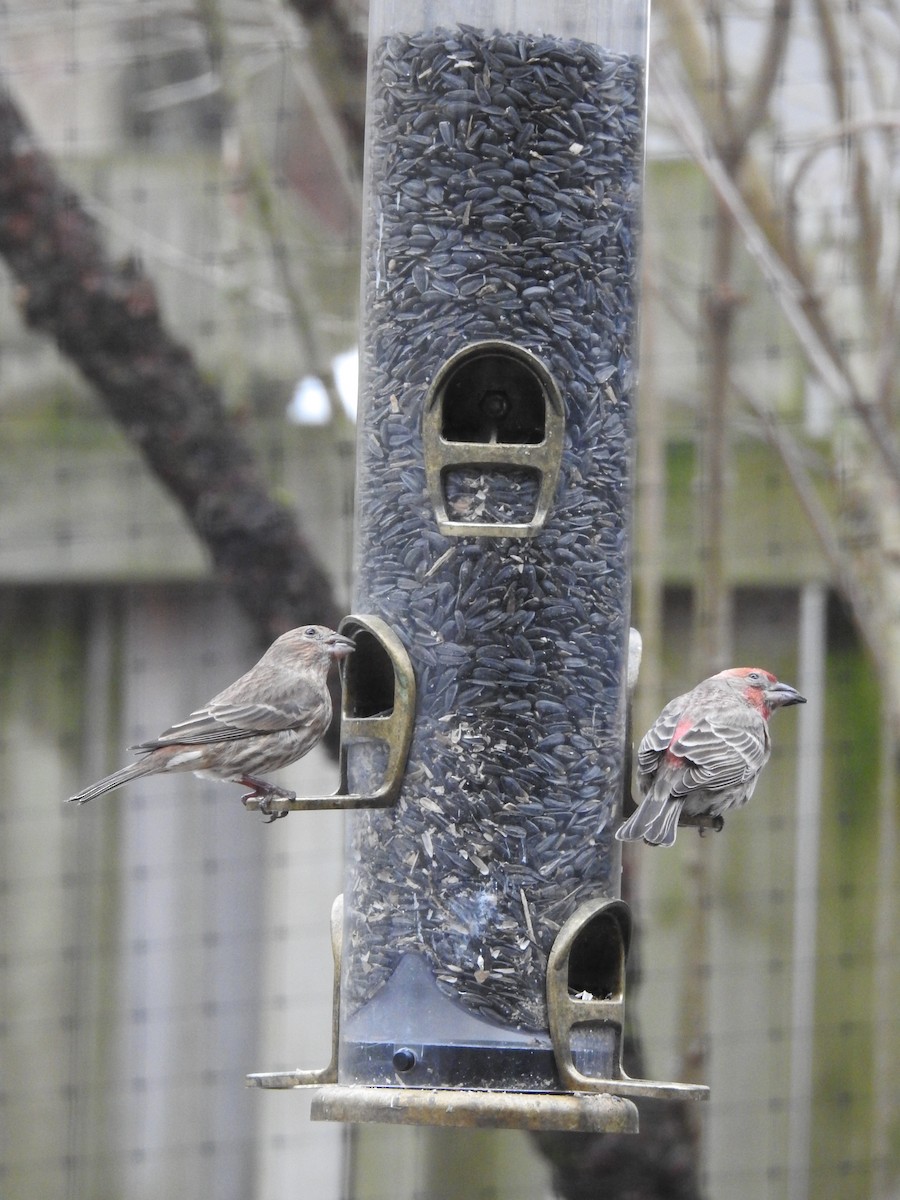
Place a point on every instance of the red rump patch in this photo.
(681, 729)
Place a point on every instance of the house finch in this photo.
(704, 752)
(267, 719)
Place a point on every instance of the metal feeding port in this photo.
(377, 715)
(492, 431)
(586, 1005)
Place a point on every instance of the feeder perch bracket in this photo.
(329, 1074)
(592, 947)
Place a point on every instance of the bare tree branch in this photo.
(341, 141)
(799, 303)
(258, 179)
(756, 106)
(722, 127)
(791, 453)
(730, 125)
(104, 318)
(340, 52)
(869, 241)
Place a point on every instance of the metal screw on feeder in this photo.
(481, 957)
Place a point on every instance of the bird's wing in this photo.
(221, 721)
(273, 714)
(720, 755)
(656, 740)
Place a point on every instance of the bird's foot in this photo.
(267, 812)
(716, 824)
(262, 795)
(703, 822)
(263, 804)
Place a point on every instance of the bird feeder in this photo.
(480, 946)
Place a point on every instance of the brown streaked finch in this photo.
(704, 753)
(267, 719)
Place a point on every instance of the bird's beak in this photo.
(340, 646)
(780, 695)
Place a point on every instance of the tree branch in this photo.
(756, 106)
(799, 304)
(104, 317)
(340, 52)
(258, 179)
(869, 242)
(791, 454)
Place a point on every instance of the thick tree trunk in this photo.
(662, 1162)
(656, 1164)
(104, 317)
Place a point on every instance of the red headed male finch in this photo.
(704, 752)
(267, 719)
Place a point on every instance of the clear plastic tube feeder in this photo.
(483, 941)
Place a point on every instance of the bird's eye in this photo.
(755, 677)
(310, 631)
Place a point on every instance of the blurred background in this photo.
(180, 193)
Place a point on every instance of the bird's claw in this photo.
(263, 803)
(716, 824)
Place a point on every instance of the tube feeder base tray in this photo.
(565, 1112)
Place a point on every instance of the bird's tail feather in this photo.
(660, 830)
(632, 830)
(102, 786)
(655, 822)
